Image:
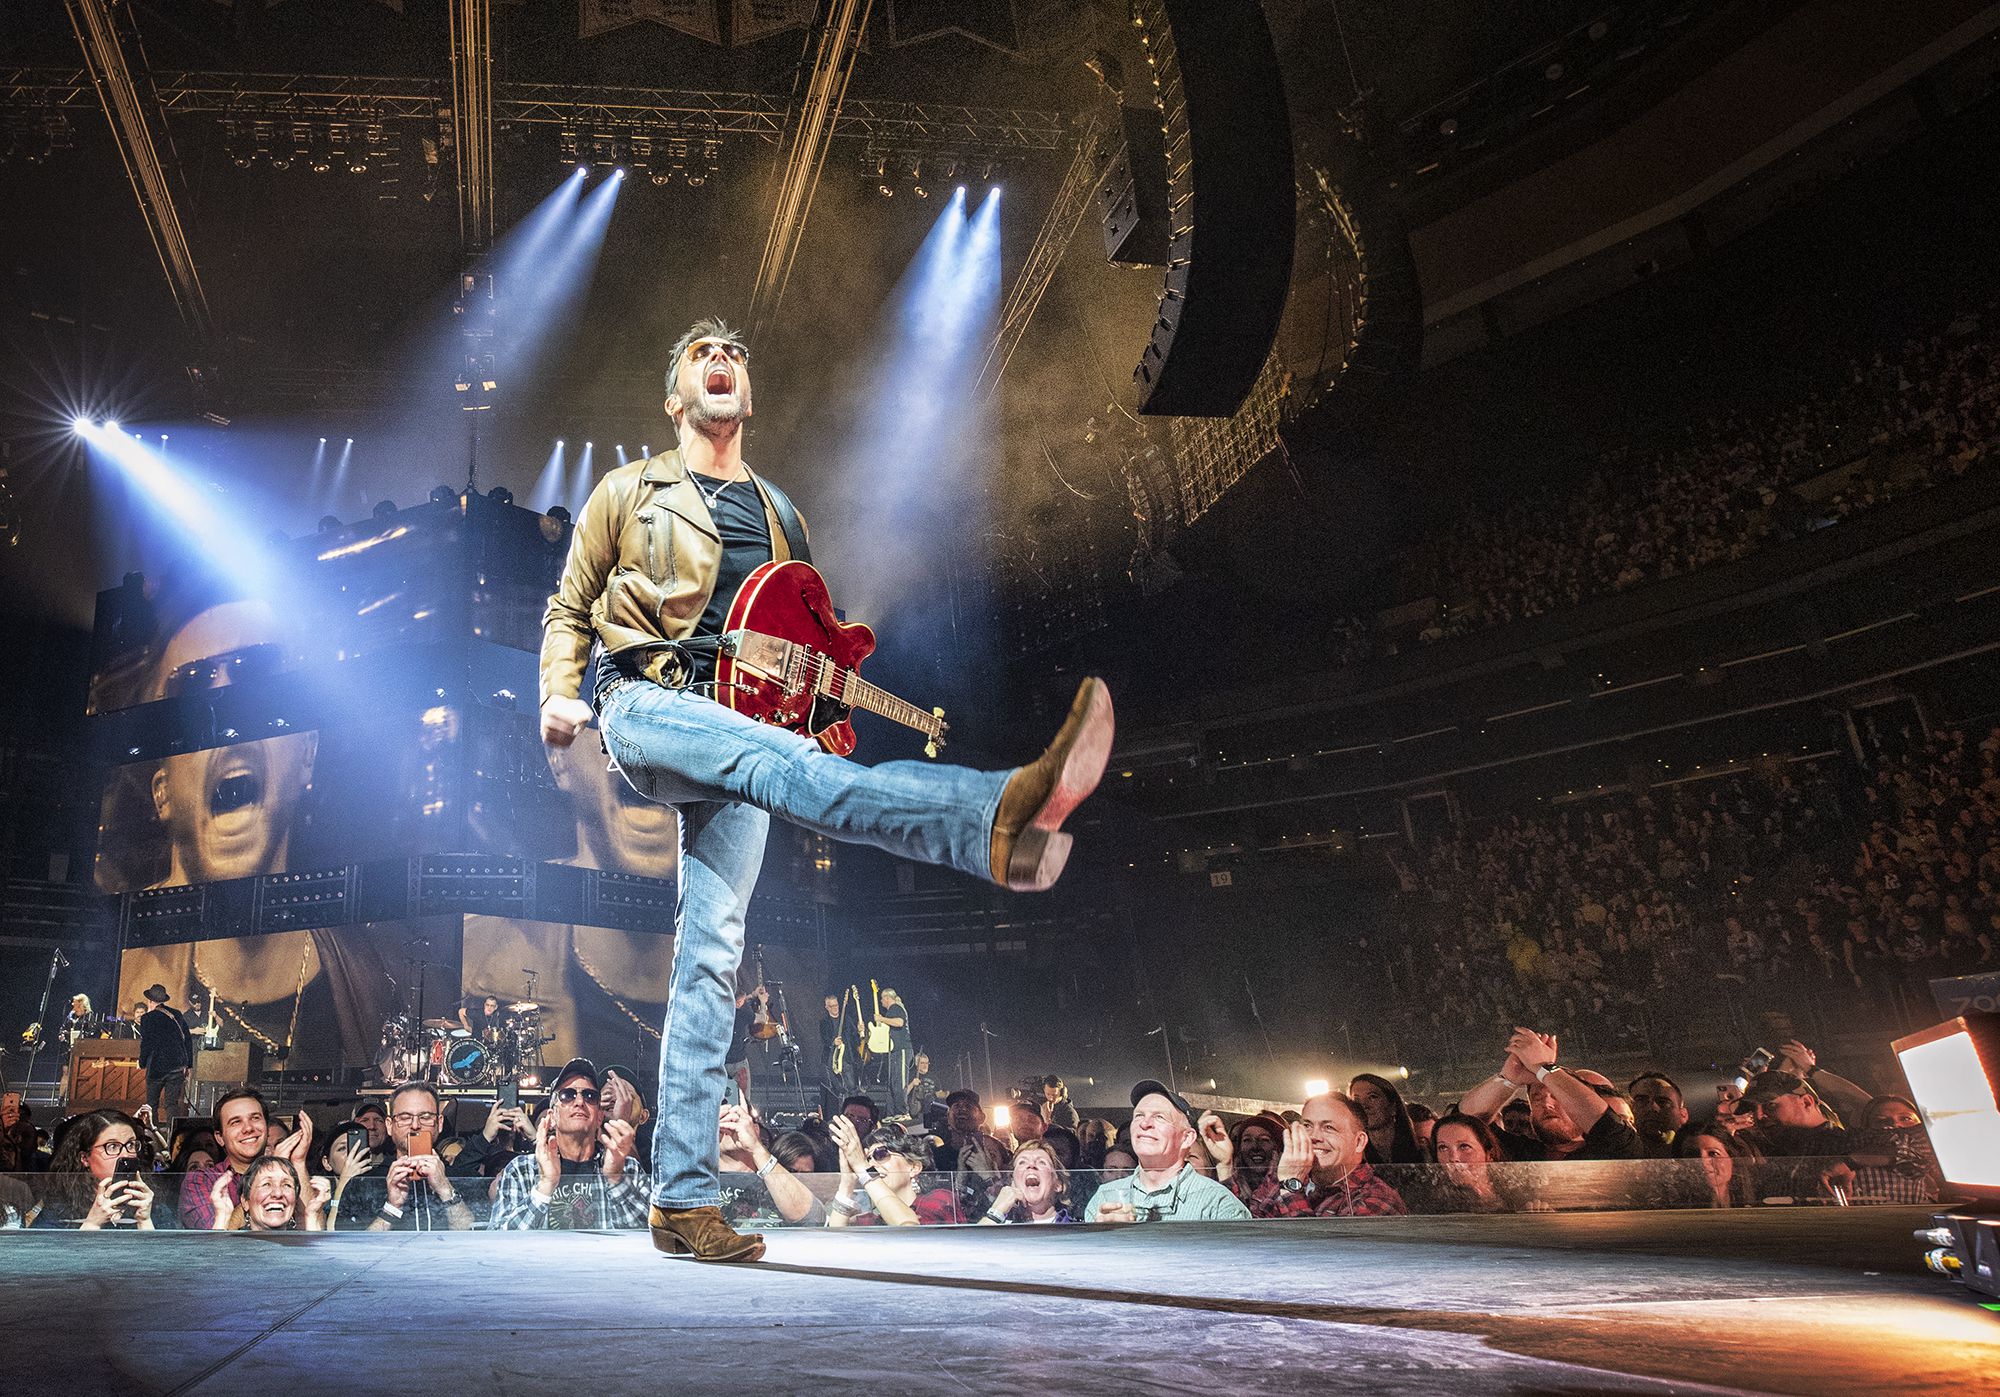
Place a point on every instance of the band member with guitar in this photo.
(658, 561)
(890, 1041)
(836, 1066)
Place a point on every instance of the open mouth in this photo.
(235, 791)
(719, 381)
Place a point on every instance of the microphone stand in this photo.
(986, 1037)
(56, 962)
(1166, 1042)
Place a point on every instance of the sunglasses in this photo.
(230, 667)
(586, 1094)
(701, 349)
(882, 1153)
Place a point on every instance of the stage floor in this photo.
(1821, 1302)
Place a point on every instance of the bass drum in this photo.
(467, 1063)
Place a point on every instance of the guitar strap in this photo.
(788, 520)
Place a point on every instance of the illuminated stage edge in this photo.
(1812, 1301)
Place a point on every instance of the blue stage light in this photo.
(923, 412)
(218, 538)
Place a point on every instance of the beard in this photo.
(716, 415)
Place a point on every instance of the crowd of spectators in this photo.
(1632, 913)
(1539, 1134)
(1722, 488)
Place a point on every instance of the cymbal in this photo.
(441, 1023)
(525, 1006)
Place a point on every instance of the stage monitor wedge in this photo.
(1231, 204)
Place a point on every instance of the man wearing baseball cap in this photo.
(582, 1173)
(1790, 1117)
(1165, 1187)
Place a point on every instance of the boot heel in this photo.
(1037, 860)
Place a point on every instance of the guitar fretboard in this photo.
(854, 691)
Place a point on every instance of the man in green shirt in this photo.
(1165, 1187)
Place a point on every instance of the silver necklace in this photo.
(711, 498)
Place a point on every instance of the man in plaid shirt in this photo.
(1320, 1173)
(582, 1174)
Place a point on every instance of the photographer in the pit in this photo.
(582, 1173)
(413, 1194)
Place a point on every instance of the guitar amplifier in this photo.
(228, 1065)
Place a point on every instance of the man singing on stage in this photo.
(656, 560)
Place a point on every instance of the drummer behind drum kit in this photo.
(447, 1053)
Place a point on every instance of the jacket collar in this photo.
(678, 492)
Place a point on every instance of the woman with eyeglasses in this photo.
(879, 1177)
(86, 1187)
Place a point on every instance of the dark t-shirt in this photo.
(475, 1014)
(364, 1196)
(579, 1200)
(747, 1198)
(746, 545)
(1609, 1138)
(1792, 1141)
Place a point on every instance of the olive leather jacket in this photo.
(641, 568)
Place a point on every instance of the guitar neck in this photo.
(857, 692)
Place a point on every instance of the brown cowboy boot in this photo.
(702, 1234)
(1029, 847)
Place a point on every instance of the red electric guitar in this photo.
(787, 660)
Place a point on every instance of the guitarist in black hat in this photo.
(166, 1052)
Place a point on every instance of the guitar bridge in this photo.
(768, 657)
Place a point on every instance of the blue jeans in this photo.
(727, 775)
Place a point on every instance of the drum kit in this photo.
(449, 1054)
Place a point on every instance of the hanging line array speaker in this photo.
(1231, 203)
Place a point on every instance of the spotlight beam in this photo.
(231, 548)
